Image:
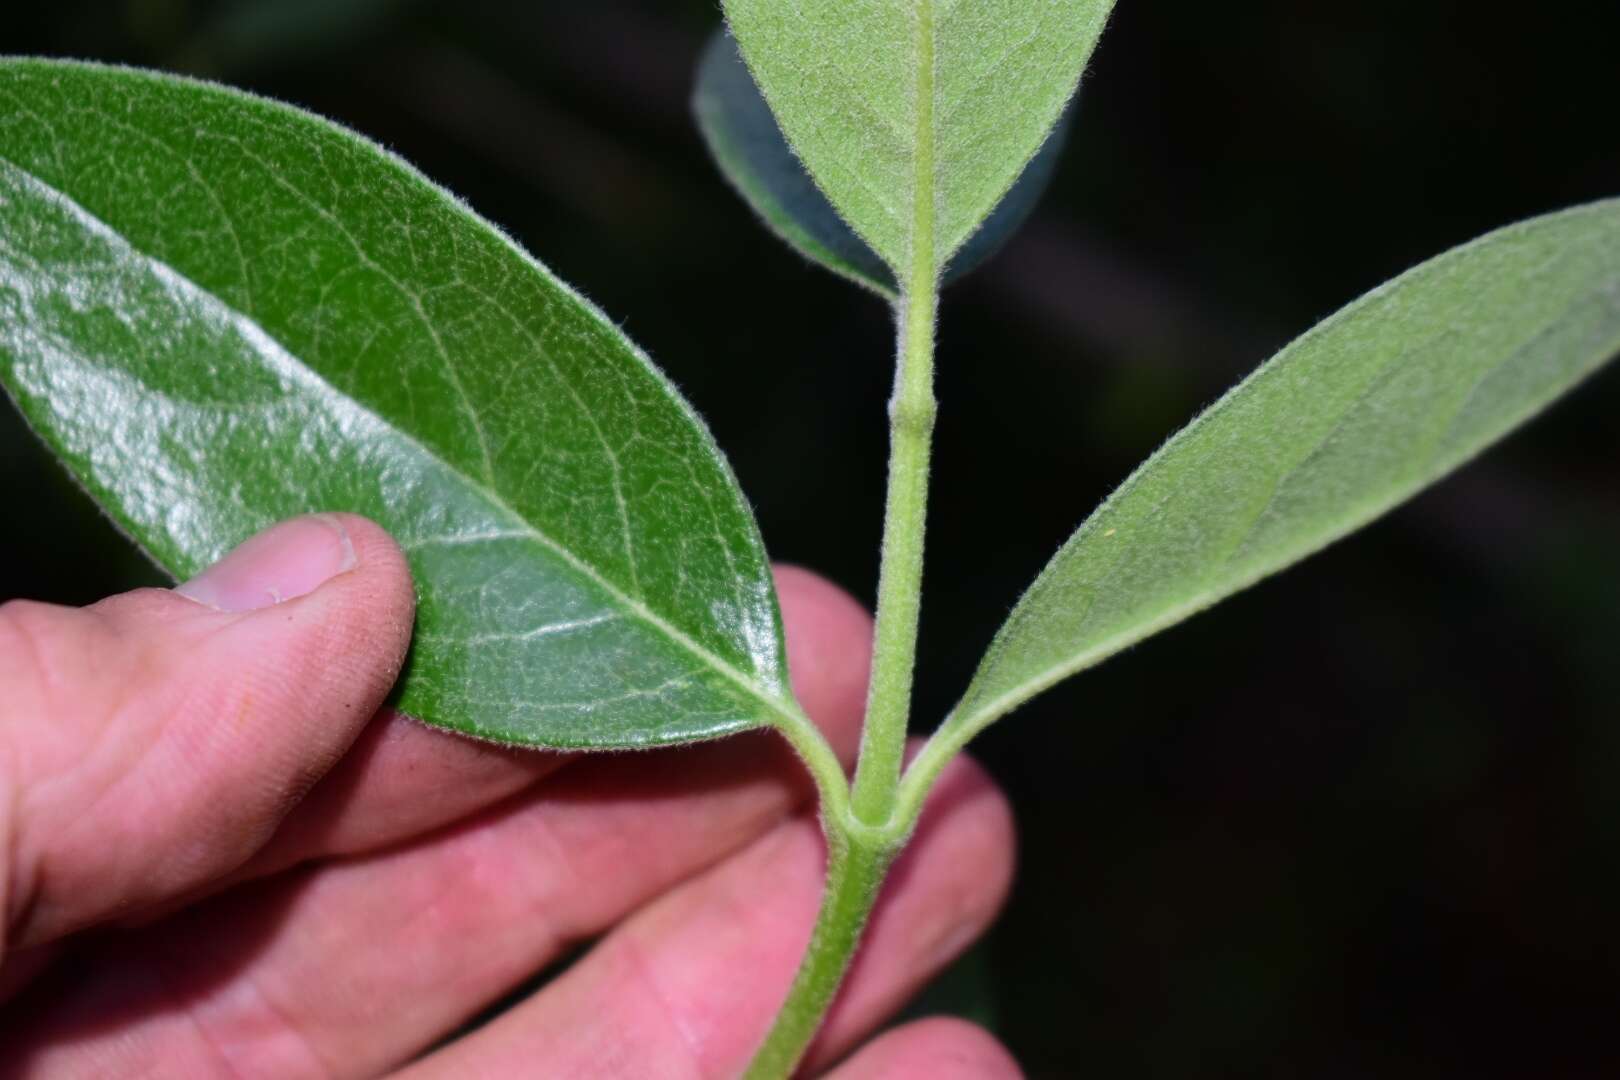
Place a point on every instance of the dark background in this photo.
(1361, 820)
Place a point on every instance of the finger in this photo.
(399, 779)
(938, 1048)
(360, 963)
(403, 779)
(160, 736)
(689, 985)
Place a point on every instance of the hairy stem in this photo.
(888, 703)
(856, 864)
(832, 787)
(911, 432)
(863, 832)
(864, 835)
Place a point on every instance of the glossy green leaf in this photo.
(754, 155)
(220, 311)
(915, 117)
(1372, 406)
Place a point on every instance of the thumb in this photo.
(154, 741)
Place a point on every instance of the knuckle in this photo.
(59, 659)
(33, 650)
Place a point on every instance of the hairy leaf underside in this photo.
(931, 105)
(1370, 407)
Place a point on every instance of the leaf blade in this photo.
(1376, 403)
(743, 137)
(752, 153)
(1007, 71)
(618, 503)
(843, 81)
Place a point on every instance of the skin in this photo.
(220, 855)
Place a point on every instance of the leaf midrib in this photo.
(924, 177)
(787, 711)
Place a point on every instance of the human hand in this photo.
(214, 861)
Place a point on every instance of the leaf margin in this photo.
(970, 717)
(777, 706)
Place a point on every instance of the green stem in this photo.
(888, 703)
(832, 787)
(856, 864)
(864, 834)
(911, 431)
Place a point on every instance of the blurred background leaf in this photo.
(1359, 821)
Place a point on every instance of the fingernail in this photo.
(282, 563)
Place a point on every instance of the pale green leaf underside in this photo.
(842, 78)
(220, 312)
(752, 153)
(1373, 405)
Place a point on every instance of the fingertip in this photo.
(318, 665)
(298, 557)
(935, 1048)
(829, 643)
(802, 590)
(329, 583)
(980, 812)
(183, 731)
(381, 567)
(377, 593)
(970, 836)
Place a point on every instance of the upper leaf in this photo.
(1373, 405)
(220, 311)
(754, 155)
(916, 116)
